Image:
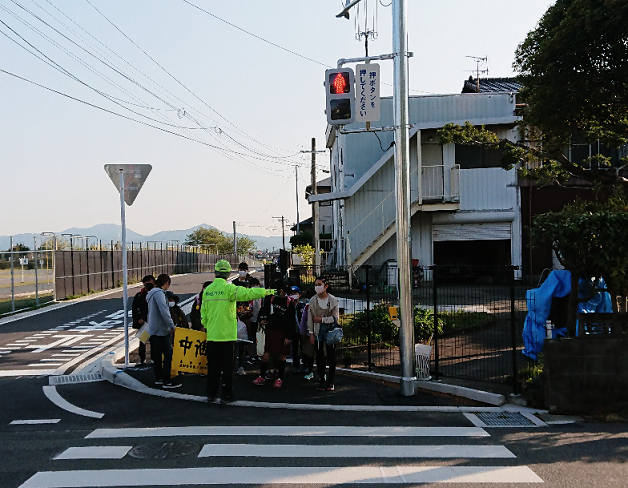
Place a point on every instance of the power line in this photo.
(255, 35)
(119, 115)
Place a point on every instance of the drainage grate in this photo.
(504, 419)
(164, 450)
(74, 378)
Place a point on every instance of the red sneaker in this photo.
(259, 381)
(277, 383)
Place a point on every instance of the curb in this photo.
(459, 391)
(118, 377)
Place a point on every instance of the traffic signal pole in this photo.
(402, 191)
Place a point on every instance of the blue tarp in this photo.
(539, 300)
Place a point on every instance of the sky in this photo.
(220, 100)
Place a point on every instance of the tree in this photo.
(306, 253)
(590, 239)
(573, 68)
(223, 242)
(574, 71)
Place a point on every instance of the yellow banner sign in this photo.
(189, 351)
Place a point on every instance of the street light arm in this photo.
(348, 6)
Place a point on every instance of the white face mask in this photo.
(171, 304)
(242, 274)
(319, 289)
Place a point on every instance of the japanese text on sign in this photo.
(367, 93)
(189, 351)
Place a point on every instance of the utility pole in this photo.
(235, 240)
(315, 215)
(296, 181)
(402, 190)
(283, 231)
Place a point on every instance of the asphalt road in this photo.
(199, 443)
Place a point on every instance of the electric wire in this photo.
(176, 79)
(66, 72)
(116, 113)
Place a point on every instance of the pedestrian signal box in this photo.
(340, 96)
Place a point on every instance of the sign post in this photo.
(128, 179)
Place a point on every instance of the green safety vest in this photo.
(218, 311)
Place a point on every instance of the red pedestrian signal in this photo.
(340, 96)
(338, 83)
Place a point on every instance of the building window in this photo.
(469, 157)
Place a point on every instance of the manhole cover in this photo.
(164, 450)
(505, 419)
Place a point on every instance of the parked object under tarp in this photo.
(539, 300)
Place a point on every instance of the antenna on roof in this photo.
(478, 62)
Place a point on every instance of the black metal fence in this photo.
(79, 272)
(479, 312)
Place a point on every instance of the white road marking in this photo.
(56, 361)
(95, 452)
(35, 422)
(14, 344)
(82, 347)
(67, 354)
(40, 365)
(12, 347)
(53, 395)
(5, 352)
(91, 351)
(304, 431)
(25, 372)
(279, 451)
(287, 475)
(63, 340)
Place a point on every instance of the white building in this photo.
(465, 208)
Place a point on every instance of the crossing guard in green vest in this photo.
(218, 315)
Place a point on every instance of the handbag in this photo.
(334, 335)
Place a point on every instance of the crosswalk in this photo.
(270, 455)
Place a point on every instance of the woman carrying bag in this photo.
(322, 317)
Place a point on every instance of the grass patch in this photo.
(24, 303)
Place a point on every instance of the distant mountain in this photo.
(112, 232)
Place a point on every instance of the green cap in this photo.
(223, 266)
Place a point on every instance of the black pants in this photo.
(160, 345)
(321, 362)
(141, 350)
(296, 349)
(220, 364)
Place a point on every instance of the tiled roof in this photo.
(488, 85)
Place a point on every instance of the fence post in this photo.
(36, 277)
(113, 276)
(435, 300)
(12, 276)
(368, 318)
(513, 330)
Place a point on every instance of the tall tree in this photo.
(223, 242)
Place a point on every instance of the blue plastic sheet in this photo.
(539, 300)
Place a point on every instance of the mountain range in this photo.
(112, 232)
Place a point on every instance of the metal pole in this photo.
(315, 215)
(125, 293)
(513, 330)
(36, 277)
(12, 275)
(235, 240)
(435, 315)
(296, 182)
(402, 190)
(368, 318)
(283, 233)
